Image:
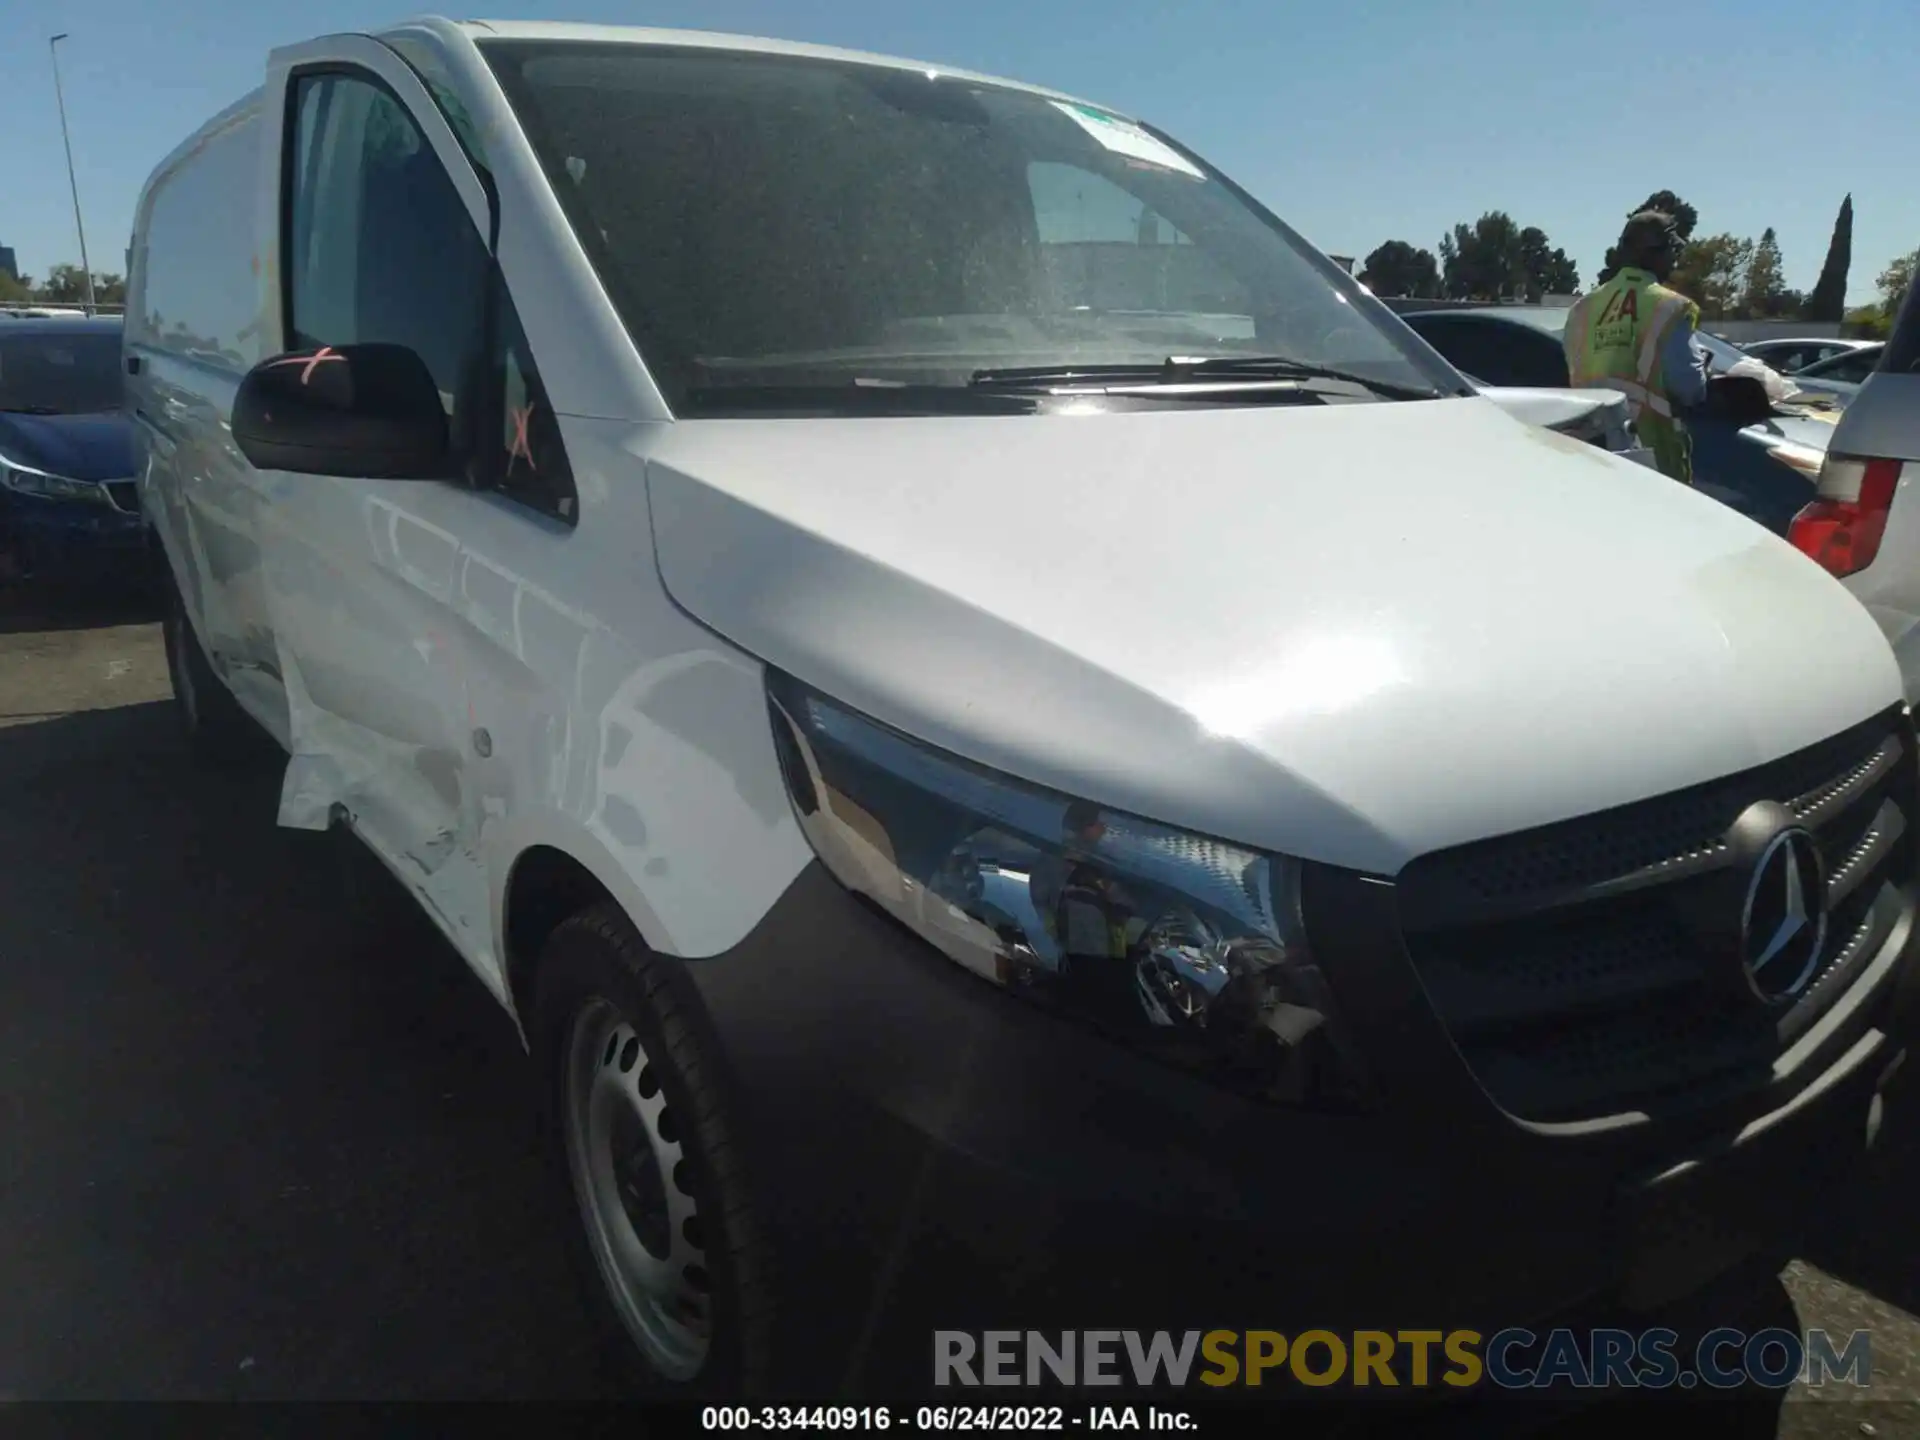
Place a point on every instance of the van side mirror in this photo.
(366, 411)
(1739, 400)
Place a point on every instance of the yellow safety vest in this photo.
(1614, 341)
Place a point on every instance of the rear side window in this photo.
(199, 294)
(380, 247)
(1495, 353)
(1792, 357)
(1855, 367)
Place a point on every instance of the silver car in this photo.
(1789, 355)
(1857, 526)
(1840, 376)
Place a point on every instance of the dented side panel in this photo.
(465, 680)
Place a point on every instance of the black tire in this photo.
(593, 961)
(218, 730)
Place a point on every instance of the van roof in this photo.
(749, 44)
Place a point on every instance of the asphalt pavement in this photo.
(265, 1137)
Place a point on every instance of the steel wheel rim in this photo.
(630, 1177)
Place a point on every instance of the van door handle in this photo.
(133, 364)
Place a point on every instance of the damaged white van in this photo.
(1021, 752)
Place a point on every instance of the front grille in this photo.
(1585, 969)
(125, 495)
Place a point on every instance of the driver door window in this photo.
(380, 247)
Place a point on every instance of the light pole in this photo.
(86, 269)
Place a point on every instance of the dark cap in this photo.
(1648, 233)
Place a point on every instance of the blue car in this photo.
(69, 507)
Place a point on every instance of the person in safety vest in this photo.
(1633, 334)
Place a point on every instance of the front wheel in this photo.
(662, 1230)
(220, 732)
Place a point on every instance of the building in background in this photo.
(8, 265)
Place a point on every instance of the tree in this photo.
(64, 285)
(13, 291)
(1397, 268)
(67, 285)
(1685, 217)
(1484, 262)
(1896, 280)
(1712, 273)
(1829, 298)
(1548, 271)
(1533, 260)
(1563, 276)
(1761, 297)
(1867, 322)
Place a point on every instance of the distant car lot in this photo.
(255, 1145)
(1840, 375)
(1790, 355)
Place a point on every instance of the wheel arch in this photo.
(545, 885)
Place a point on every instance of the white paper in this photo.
(1123, 137)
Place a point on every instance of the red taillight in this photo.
(1843, 532)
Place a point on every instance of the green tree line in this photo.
(64, 285)
(1729, 276)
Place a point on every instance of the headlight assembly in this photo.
(1185, 947)
(25, 480)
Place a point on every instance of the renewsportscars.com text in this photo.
(1511, 1359)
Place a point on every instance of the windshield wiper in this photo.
(1187, 370)
(852, 399)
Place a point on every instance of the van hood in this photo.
(1351, 633)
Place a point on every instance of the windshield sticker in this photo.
(1123, 137)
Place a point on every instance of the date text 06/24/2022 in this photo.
(931, 1418)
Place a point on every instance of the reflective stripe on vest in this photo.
(1574, 341)
(1655, 337)
(1640, 396)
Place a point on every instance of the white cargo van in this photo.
(1015, 744)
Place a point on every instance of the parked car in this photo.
(1001, 729)
(1790, 356)
(1765, 472)
(69, 507)
(1599, 417)
(1522, 344)
(1857, 525)
(1842, 375)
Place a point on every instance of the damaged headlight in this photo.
(1186, 947)
(25, 480)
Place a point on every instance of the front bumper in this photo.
(931, 1153)
(64, 538)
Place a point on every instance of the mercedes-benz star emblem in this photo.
(1783, 925)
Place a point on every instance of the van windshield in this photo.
(766, 221)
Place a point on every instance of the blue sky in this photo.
(1358, 121)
